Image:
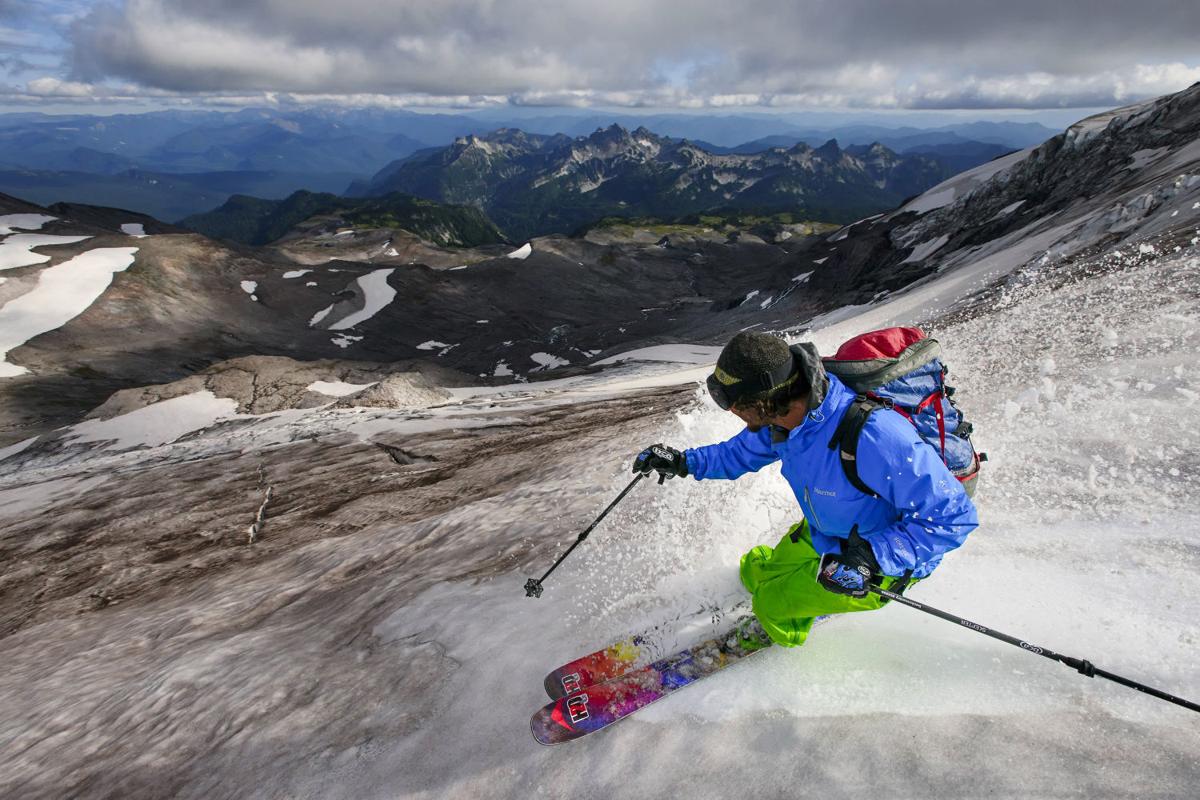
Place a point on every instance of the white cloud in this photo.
(637, 53)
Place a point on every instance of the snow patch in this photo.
(1004, 212)
(320, 315)
(964, 183)
(26, 222)
(62, 293)
(13, 449)
(135, 229)
(547, 361)
(295, 273)
(522, 252)
(17, 251)
(502, 370)
(344, 340)
(378, 293)
(671, 353)
(1142, 158)
(250, 287)
(157, 424)
(926, 249)
(804, 276)
(338, 388)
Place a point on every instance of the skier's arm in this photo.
(936, 514)
(746, 452)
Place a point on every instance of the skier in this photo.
(847, 539)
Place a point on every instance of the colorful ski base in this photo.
(632, 652)
(595, 707)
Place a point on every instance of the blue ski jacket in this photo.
(921, 513)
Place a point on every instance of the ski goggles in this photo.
(726, 390)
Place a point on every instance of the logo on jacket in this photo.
(825, 492)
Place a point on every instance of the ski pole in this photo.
(1082, 666)
(533, 586)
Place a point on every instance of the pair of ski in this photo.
(604, 687)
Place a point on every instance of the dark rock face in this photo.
(535, 185)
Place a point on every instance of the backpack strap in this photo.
(845, 439)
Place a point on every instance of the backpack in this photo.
(901, 369)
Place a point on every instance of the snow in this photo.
(925, 249)
(432, 344)
(378, 294)
(352, 688)
(673, 353)
(482, 321)
(14, 449)
(344, 340)
(136, 229)
(311, 283)
(821, 260)
(17, 250)
(958, 187)
(337, 388)
(522, 252)
(502, 370)
(320, 315)
(25, 222)
(250, 287)
(804, 276)
(62, 293)
(157, 424)
(546, 361)
(766, 302)
(1008, 209)
(295, 273)
(1144, 157)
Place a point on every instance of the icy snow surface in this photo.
(347, 688)
(62, 293)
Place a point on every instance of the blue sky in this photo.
(981, 58)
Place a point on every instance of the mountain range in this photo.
(533, 185)
(124, 159)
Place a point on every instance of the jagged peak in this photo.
(829, 150)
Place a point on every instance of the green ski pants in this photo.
(787, 597)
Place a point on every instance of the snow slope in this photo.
(1081, 379)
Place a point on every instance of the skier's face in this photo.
(753, 419)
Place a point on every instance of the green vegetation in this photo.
(251, 220)
(727, 221)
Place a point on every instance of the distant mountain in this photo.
(249, 140)
(532, 184)
(250, 220)
(165, 196)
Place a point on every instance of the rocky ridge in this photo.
(553, 184)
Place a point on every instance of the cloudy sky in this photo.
(705, 54)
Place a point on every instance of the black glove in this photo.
(851, 572)
(666, 461)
